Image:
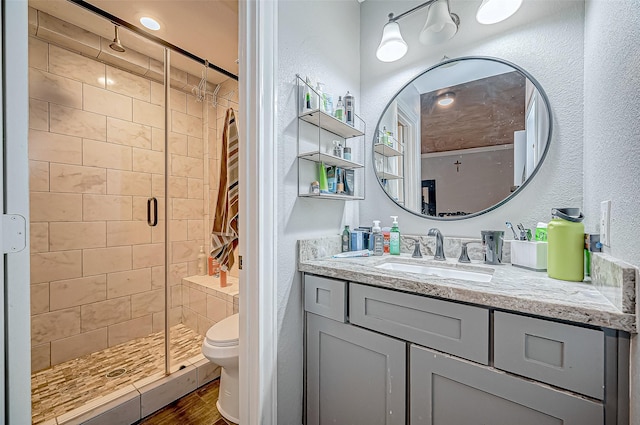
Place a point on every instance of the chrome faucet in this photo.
(439, 255)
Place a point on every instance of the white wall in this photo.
(612, 137)
(546, 39)
(483, 179)
(319, 39)
(612, 121)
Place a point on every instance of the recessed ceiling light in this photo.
(446, 99)
(150, 23)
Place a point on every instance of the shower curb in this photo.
(136, 401)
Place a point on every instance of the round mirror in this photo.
(462, 138)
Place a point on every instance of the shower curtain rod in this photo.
(151, 37)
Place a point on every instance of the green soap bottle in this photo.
(322, 178)
(565, 249)
(394, 237)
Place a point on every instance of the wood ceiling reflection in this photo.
(486, 112)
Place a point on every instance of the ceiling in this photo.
(486, 112)
(205, 28)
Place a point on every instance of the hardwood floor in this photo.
(197, 408)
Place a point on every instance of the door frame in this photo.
(258, 212)
(15, 403)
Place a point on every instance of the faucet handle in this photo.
(416, 249)
(464, 255)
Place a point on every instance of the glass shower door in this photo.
(97, 173)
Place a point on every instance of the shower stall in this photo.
(124, 157)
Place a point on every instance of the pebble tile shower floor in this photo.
(69, 385)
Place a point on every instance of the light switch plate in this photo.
(605, 222)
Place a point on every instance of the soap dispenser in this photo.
(378, 238)
(394, 237)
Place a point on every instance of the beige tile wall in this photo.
(205, 303)
(96, 155)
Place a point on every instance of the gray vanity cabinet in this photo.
(445, 390)
(354, 376)
(380, 357)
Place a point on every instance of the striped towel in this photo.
(224, 235)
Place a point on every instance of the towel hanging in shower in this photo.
(224, 235)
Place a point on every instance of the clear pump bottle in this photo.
(378, 238)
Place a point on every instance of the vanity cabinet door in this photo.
(450, 391)
(353, 376)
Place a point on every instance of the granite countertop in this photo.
(511, 288)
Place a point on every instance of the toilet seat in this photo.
(225, 333)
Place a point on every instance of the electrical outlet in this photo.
(605, 222)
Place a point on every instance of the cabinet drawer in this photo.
(325, 297)
(448, 391)
(453, 328)
(566, 356)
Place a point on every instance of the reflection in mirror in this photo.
(462, 138)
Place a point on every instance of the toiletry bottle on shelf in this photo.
(308, 95)
(386, 235)
(339, 180)
(202, 262)
(339, 113)
(331, 179)
(394, 237)
(385, 136)
(349, 108)
(346, 153)
(337, 149)
(328, 103)
(223, 276)
(320, 91)
(322, 178)
(378, 239)
(346, 239)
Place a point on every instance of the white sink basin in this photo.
(437, 271)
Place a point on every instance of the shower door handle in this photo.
(152, 203)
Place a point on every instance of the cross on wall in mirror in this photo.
(457, 164)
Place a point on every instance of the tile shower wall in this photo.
(96, 155)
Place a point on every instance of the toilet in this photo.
(220, 346)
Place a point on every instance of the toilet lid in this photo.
(224, 333)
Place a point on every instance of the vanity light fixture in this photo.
(446, 99)
(440, 26)
(150, 23)
(392, 46)
(494, 11)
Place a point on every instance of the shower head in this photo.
(116, 43)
